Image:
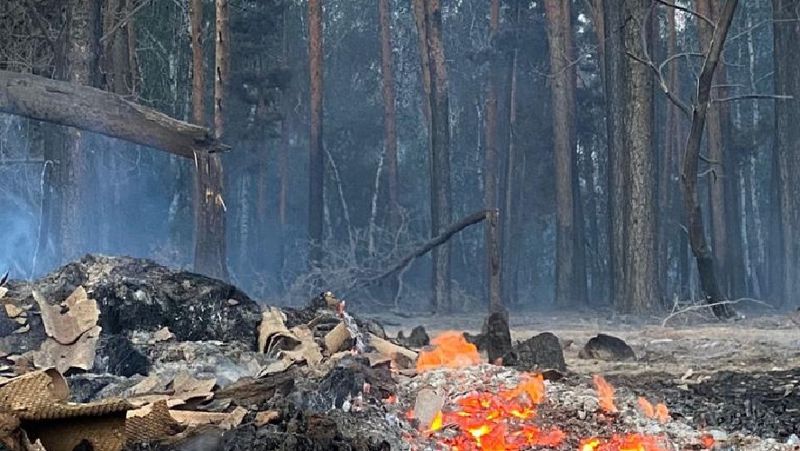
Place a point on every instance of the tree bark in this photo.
(640, 220)
(691, 198)
(389, 112)
(787, 134)
(316, 166)
(97, 111)
(491, 238)
(424, 57)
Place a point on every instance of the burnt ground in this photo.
(742, 376)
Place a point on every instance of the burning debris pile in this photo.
(117, 353)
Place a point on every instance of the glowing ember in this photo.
(450, 350)
(605, 394)
(489, 421)
(707, 440)
(629, 442)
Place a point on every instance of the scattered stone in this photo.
(541, 352)
(608, 348)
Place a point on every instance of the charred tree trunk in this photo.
(389, 112)
(691, 198)
(210, 248)
(490, 173)
(787, 118)
(640, 263)
(316, 168)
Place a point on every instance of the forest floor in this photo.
(757, 343)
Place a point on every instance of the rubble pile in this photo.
(115, 353)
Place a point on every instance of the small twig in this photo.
(688, 11)
(663, 84)
(124, 21)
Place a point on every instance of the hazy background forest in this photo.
(553, 112)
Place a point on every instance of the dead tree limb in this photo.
(429, 245)
(101, 112)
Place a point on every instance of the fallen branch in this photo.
(429, 245)
(696, 307)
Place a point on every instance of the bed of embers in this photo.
(114, 353)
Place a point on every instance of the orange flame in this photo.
(605, 394)
(662, 413)
(659, 412)
(450, 350)
(646, 408)
(707, 440)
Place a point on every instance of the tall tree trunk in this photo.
(389, 112)
(210, 248)
(83, 19)
(691, 197)
(787, 134)
(666, 227)
(418, 7)
(640, 221)
(617, 155)
(491, 238)
(509, 250)
(720, 170)
(316, 168)
(558, 31)
(440, 151)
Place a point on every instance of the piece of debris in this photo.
(608, 348)
(162, 334)
(80, 354)
(13, 311)
(266, 417)
(427, 405)
(66, 322)
(338, 339)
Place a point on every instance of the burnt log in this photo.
(495, 337)
(101, 112)
(541, 352)
(607, 347)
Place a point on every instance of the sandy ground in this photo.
(761, 342)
